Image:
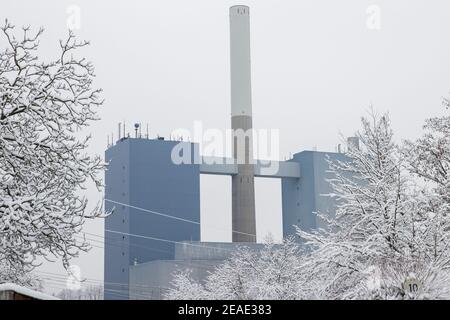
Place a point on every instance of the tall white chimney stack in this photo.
(243, 188)
(241, 92)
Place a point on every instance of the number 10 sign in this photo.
(412, 285)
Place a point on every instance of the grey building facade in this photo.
(303, 197)
(151, 280)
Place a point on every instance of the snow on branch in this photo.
(44, 104)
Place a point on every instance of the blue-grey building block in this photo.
(141, 174)
(303, 197)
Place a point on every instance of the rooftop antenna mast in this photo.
(136, 128)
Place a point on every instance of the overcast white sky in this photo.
(316, 69)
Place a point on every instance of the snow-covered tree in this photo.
(10, 273)
(384, 232)
(429, 157)
(274, 272)
(90, 292)
(44, 104)
(185, 287)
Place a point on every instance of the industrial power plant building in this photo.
(155, 227)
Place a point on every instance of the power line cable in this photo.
(173, 217)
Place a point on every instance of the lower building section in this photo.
(151, 280)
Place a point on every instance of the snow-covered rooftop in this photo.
(26, 291)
